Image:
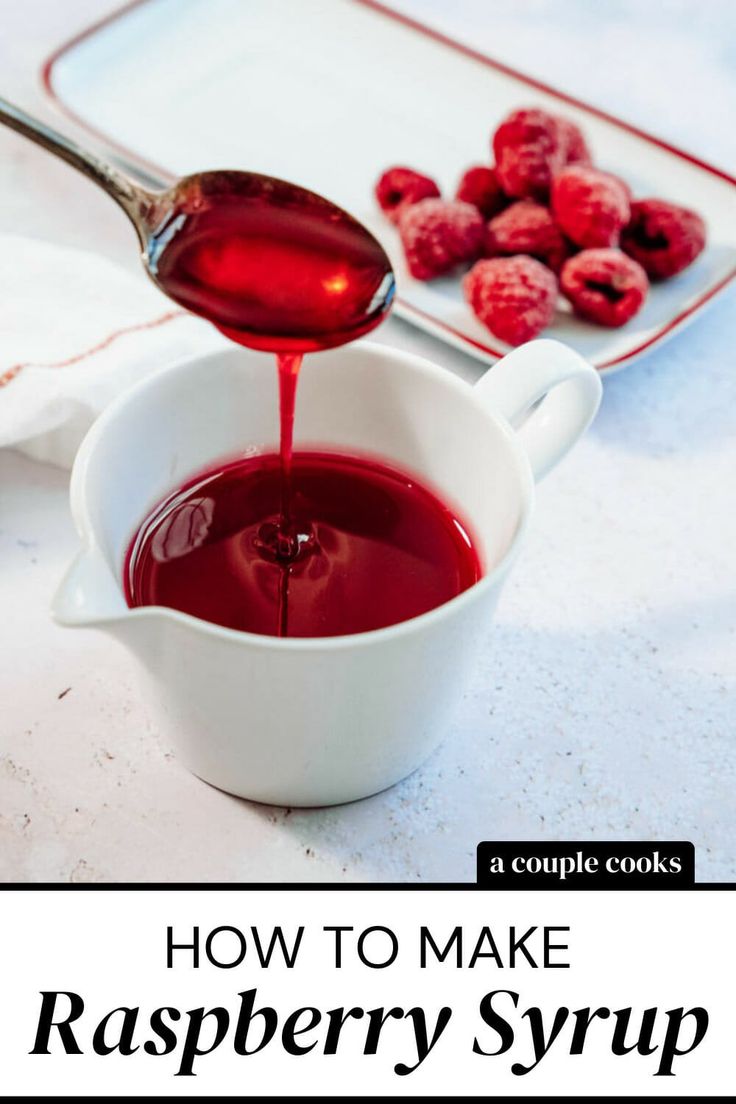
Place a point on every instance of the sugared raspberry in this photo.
(513, 296)
(439, 234)
(528, 151)
(480, 186)
(527, 227)
(663, 237)
(399, 187)
(590, 206)
(604, 286)
(573, 142)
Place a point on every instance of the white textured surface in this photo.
(603, 703)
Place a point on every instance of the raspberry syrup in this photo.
(374, 548)
(304, 544)
(274, 267)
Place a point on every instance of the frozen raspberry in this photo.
(573, 142)
(529, 150)
(527, 227)
(604, 286)
(663, 237)
(399, 187)
(513, 296)
(590, 206)
(480, 186)
(438, 235)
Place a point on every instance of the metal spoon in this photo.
(271, 264)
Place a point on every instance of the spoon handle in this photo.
(131, 197)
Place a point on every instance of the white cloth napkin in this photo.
(75, 331)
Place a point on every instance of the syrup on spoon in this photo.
(271, 264)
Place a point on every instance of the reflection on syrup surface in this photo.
(372, 548)
(272, 265)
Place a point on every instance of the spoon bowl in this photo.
(271, 264)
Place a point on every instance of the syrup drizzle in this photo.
(305, 545)
(278, 268)
(289, 365)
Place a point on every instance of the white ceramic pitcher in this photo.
(324, 720)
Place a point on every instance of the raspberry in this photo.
(527, 227)
(571, 139)
(513, 296)
(663, 237)
(528, 151)
(604, 286)
(399, 187)
(480, 186)
(592, 207)
(438, 235)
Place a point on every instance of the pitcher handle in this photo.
(548, 393)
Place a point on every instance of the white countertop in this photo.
(603, 705)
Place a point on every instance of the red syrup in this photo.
(304, 544)
(272, 265)
(374, 548)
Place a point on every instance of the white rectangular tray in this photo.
(330, 92)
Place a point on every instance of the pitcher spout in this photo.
(89, 595)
